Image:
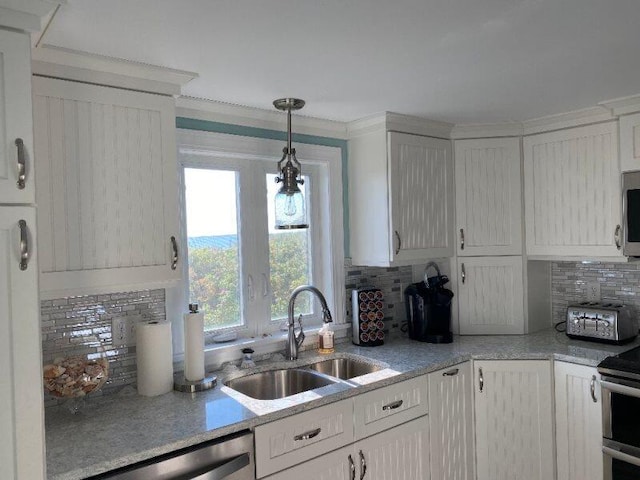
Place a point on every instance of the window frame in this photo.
(199, 149)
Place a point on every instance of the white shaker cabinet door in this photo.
(630, 142)
(514, 422)
(421, 197)
(399, 453)
(451, 423)
(107, 188)
(573, 192)
(578, 422)
(16, 125)
(491, 295)
(488, 197)
(21, 397)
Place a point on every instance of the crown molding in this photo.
(623, 105)
(389, 121)
(209, 110)
(560, 121)
(487, 130)
(26, 14)
(85, 67)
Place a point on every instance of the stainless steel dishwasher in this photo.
(228, 458)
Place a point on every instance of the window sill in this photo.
(218, 353)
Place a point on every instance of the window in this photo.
(240, 270)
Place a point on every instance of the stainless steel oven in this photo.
(621, 415)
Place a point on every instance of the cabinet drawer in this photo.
(387, 407)
(300, 437)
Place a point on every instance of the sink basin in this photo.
(344, 368)
(276, 384)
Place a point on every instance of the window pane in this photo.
(213, 243)
(289, 259)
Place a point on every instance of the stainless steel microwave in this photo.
(631, 213)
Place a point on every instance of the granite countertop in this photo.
(118, 430)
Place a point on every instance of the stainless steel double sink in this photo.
(275, 384)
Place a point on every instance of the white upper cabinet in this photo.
(16, 125)
(107, 188)
(491, 295)
(488, 197)
(400, 198)
(630, 142)
(21, 397)
(572, 192)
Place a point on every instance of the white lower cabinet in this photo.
(451, 423)
(514, 420)
(578, 422)
(401, 452)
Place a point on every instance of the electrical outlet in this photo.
(123, 331)
(593, 291)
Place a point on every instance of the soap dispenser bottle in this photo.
(325, 339)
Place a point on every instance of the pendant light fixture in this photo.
(291, 210)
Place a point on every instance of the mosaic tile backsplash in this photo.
(82, 325)
(619, 282)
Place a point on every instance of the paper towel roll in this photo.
(154, 358)
(194, 346)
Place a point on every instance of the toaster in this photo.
(601, 322)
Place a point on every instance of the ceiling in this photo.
(460, 61)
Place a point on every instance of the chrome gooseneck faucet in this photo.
(295, 340)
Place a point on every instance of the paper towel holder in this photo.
(181, 384)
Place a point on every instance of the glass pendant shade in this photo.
(290, 206)
(290, 211)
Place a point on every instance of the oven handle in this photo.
(622, 389)
(618, 455)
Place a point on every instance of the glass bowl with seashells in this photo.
(74, 377)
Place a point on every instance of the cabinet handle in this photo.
(617, 236)
(463, 274)
(308, 435)
(392, 405)
(481, 380)
(462, 239)
(399, 242)
(24, 245)
(451, 373)
(265, 285)
(363, 465)
(21, 163)
(352, 468)
(592, 388)
(174, 258)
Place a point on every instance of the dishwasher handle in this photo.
(223, 471)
